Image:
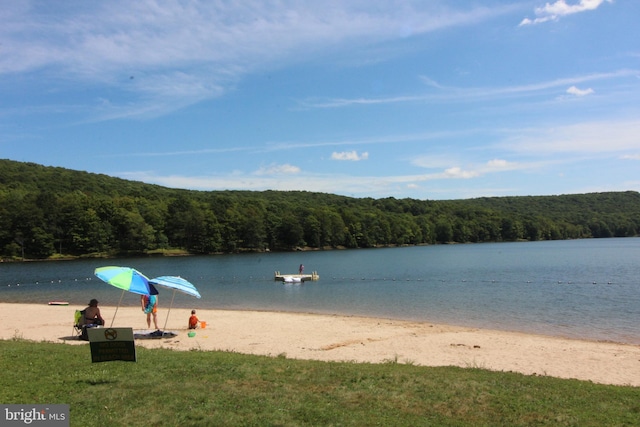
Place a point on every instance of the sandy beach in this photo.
(345, 338)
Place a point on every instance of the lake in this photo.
(579, 289)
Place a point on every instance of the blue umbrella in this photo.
(125, 278)
(177, 284)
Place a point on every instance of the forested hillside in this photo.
(47, 211)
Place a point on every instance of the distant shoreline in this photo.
(182, 253)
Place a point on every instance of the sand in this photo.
(346, 338)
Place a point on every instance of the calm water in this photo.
(580, 289)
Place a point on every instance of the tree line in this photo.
(49, 211)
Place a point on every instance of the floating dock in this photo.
(288, 278)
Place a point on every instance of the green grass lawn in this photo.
(197, 388)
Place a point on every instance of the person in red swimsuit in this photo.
(193, 320)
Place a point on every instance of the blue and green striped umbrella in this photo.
(125, 278)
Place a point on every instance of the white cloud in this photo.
(631, 157)
(553, 11)
(457, 172)
(471, 171)
(492, 166)
(350, 155)
(274, 169)
(573, 90)
(499, 164)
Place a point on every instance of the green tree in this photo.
(290, 232)
(444, 230)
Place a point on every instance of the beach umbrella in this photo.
(152, 289)
(125, 278)
(176, 284)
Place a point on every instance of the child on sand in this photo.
(193, 320)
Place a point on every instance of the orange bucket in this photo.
(203, 324)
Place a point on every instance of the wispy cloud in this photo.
(350, 155)
(278, 177)
(285, 169)
(384, 139)
(613, 136)
(553, 11)
(174, 153)
(143, 48)
(492, 166)
(433, 161)
(458, 94)
(325, 183)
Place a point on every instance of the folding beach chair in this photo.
(78, 323)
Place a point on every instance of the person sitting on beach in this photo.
(92, 314)
(193, 320)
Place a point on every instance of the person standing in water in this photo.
(149, 305)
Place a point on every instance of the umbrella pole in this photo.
(114, 314)
(167, 319)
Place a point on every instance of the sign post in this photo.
(109, 344)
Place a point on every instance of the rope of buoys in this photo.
(335, 278)
(38, 282)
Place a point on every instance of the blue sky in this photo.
(365, 98)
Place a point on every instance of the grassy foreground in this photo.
(197, 388)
